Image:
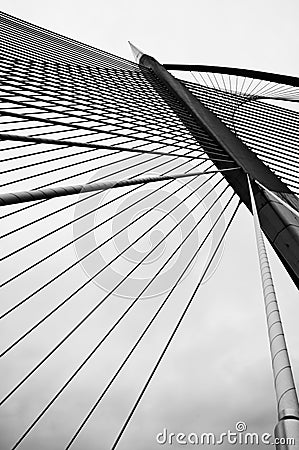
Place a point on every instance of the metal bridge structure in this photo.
(97, 154)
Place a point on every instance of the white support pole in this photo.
(287, 428)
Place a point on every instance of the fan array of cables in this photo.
(75, 270)
(263, 113)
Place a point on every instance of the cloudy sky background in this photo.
(217, 371)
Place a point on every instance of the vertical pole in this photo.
(287, 428)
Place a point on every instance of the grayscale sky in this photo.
(218, 370)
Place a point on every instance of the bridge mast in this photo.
(279, 223)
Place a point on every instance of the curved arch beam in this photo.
(267, 76)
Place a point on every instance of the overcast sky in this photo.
(217, 371)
